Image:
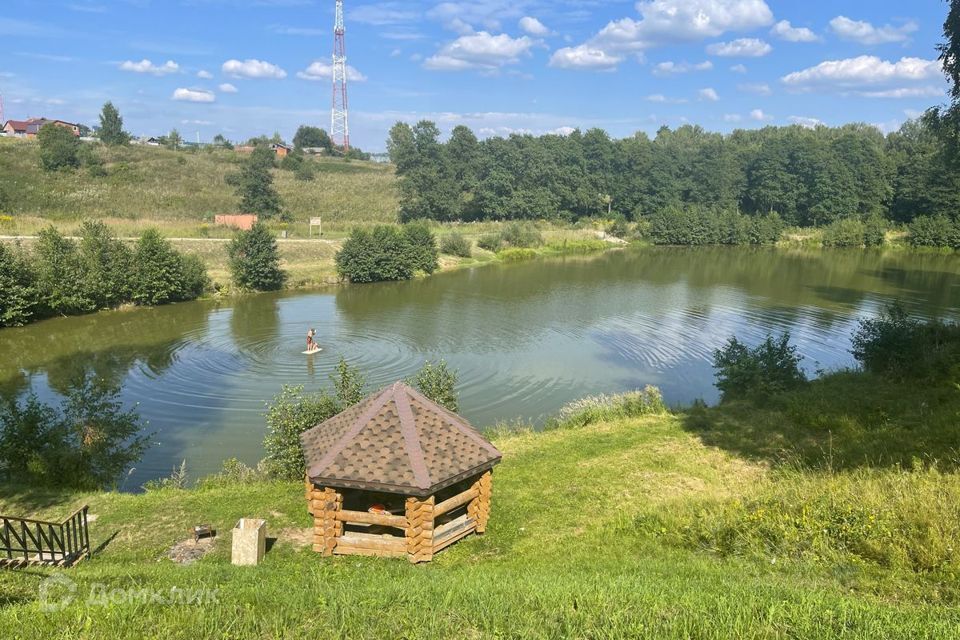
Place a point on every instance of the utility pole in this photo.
(339, 121)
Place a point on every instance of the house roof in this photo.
(33, 125)
(396, 441)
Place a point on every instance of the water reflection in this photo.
(525, 338)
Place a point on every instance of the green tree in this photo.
(424, 255)
(255, 260)
(59, 148)
(18, 292)
(59, 274)
(255, 185)
(949, 58)
(289, 415)
(106, 265)
(220, 140)
(308, 137)
(111, 126)
(173, 140)
(348, 383)
(770, 368)
(381, 254)
(158, 271)
(438, 383)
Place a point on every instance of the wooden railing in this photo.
(28, 541)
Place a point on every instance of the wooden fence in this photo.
(24, 541)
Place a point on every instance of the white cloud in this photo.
(785, 31)
(739, 68)
(671, 68)
(760, 116)
(742, 48)
(803, 121)
(865, 33)
(226, 87)
(662, 99)
(907, 92)
(323, 70)
(708, 94)
(562, 131)
(863, 71)
(584, 57)
(480, 50)
(193, 95)
(203, 73)
(760, 89)
(732, 117)
(146, 66)
(533, 26)
(253, 69)
(200, 123)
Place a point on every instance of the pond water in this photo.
(525, 338)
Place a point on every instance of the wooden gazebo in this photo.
(396, 475)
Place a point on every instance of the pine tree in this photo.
(111, 126)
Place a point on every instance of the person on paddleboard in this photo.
(311, 344)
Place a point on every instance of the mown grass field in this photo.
(704, 523)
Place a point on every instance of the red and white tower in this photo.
(339, 121)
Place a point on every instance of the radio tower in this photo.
(339, 122)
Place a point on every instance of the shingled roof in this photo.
(397, 441)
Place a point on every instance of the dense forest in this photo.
(809, 176)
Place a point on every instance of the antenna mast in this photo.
(339, 122)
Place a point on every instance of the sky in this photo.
(250, 67)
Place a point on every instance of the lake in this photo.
(526, 338)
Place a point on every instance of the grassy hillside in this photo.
(179, 191)
(709, 523)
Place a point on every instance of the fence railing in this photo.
(25, 540)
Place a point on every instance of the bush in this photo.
(899, 347)
(18, 289)
(255, 260)
(517, 255)
(292, 162)
(348, 383)
(59, 274)
(106, 265)
(305, 172)
(423, 246)
(619, 227)
(58, 148)
(521, 234)
(86, 443)
(438, 383)
(846, 232)
(697, 226)
(290, 414)
(874, 231)
(386, 253)
(768, 369)
(934, 231)
(255, 184)
(158, 272)
(195, 279)
(490, 242)
(454, 244)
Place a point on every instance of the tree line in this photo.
(808, 176)
(62, 276)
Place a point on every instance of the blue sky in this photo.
(246, 67)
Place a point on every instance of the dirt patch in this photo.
(189, 551)
(298, 538)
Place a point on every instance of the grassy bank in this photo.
(711, 522)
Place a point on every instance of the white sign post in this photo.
(316, 222)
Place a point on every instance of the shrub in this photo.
(766, 229)
(521, 234)
(158, 272)
(619, 228)
(438, 383)
(255, 260)
(59, 274)
(106, 265)
(454, 244)
(58, 148)
(423, 246)
(255, 185)
(874, 230)
(233, 472)
(305, 172)
(290, 414)
(195, 279)
(696, 226)
(381, 254)
(934, 231)
(768, 369)
(86, 443)
(899, 347)
(18, 289)
(846, 232)
(292, 161)
(177, 479)
(592, 409)
(517, 255)
(348, 383)
(490, 242)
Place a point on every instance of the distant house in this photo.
(281, 150)
(30, 128)
(314, 151)
(239, 221)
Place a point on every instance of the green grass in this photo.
(677, 525)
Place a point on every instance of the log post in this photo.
(308, 493)
(420, 529)
(479, 507)
(326, 528)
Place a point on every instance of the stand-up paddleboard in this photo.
(312, 351)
